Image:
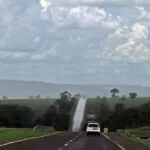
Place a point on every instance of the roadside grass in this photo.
(38, 105)
(135, 135)
(13, 134)
(145, 142)
(146, 128)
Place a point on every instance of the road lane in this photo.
(93, 143)
(79, 142)
(53, 142)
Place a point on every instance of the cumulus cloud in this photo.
(91, 38)
(143, 13)
(129, 43)
(100, 2)
(83, 17)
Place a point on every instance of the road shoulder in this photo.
(127, 144)
(28, 139)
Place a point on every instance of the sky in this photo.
(75, 41)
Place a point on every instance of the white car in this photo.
(93, 129)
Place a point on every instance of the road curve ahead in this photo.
(93, 143)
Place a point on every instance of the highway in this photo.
(71, 141)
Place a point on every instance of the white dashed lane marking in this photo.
(70, 141)
(107, 137)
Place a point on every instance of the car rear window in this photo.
(93, 125)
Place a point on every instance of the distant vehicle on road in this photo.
(93, 129)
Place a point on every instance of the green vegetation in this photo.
(116, 113)
(133, 95)
(137, 135)
(12, 134)
(16, 116)
(114, 92)
(61, 112)
(29, 113)
(38, 105)
(93, 104)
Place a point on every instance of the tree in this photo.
(65, 103)
(65, 107)
(50, 115)
(62, 122)
(119, 107)
(4, 97)
(77, 96)
(123, 118)
(105, 112)
(114, 92)
(65, 96)
(116, 120)
(16, 116)
(133, 95)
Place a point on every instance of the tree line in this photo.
(57, 115)
(122, 117)
(115, 91)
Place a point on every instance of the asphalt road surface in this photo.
(93, 143)
(68, 141)
(53, 142)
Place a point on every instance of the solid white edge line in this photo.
(28, 139)
(108, 138)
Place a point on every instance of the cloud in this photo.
(75, 41)
(143, 13)
(5, 55)
(99, 2)
(129, 44)
(51, 52)
(83, 17)
(36, 39)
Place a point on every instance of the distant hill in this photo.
(24, 89)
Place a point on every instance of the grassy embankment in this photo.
(12, 134)
(139, 135)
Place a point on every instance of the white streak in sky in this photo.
(79, 115)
